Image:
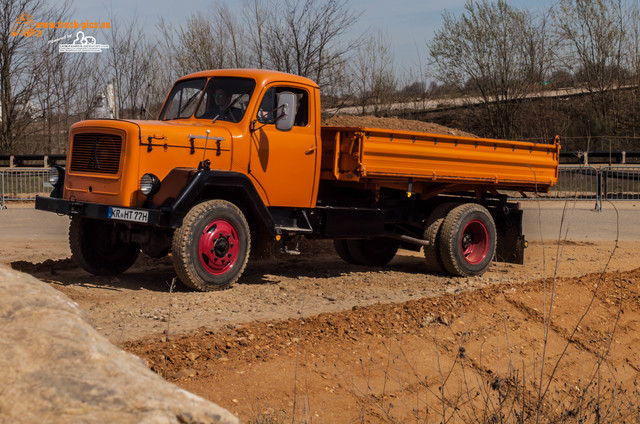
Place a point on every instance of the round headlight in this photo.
(53, 176)
(149, 184)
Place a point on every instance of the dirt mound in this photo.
(392, 124)
(473, 354)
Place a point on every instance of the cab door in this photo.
(283, 163)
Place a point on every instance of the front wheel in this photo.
(97, 248)
(467, 240)
(211, 248)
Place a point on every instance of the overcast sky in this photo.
(409, 24)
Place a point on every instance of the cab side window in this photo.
(267, 111)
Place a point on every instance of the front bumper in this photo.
(98, 211)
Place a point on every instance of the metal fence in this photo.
(23, 184)
(574, 182)
(621, 183)
(596, 184)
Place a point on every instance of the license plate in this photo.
(129, 214)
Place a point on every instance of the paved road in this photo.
(541, 221)
(23, 222)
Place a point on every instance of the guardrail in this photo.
(23, 184)
(31, 161)
(574, 182)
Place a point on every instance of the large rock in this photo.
(55, 368)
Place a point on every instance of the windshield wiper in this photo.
(188, 102)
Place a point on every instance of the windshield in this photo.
(225, 99)
(183, 99)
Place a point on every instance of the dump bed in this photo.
(433, 163)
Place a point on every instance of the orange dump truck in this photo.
(238, 160)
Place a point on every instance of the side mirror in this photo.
(286, 111)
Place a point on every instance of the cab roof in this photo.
(261, 76)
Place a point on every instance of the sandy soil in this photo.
(489, 355)
(143, 301)
(392, 123)
(309, 338)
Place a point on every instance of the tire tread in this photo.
(432, 232)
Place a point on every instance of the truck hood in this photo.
(179, 133)
(171, 133)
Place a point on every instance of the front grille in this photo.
(96, 153)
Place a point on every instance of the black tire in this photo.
(96, 248)
(342, 249)
(467, 240)
(211, 248)
(372, 252)
(432, 256)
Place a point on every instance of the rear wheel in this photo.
(468, 240)
(432, 256)
(372, 252)
(97, 248)
(342, 249)
(211, 248)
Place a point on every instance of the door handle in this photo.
(310, 150)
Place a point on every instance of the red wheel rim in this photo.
(475, 242)
(218, 246)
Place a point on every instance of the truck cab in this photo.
(219, 116)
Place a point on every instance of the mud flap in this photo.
(511, 241)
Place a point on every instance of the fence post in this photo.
(2, 205)
(598, 206)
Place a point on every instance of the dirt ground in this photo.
(312, 339)
(309, 338)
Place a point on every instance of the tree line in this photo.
(491, 50)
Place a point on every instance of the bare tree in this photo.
(255, 15)
(130, 66)
(52, 90)
(21, 45)
(633, 63)
(211, 40)
(304, 37)
(592, 34)
(371, 69)
(493, 51)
